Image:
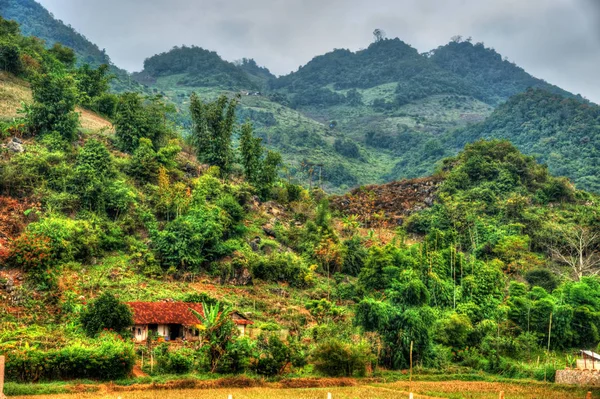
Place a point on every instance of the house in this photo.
(173, 320)
(589, 361)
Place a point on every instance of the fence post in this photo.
(588, 396)
(2, 378)
(328, 395)
(501, 396)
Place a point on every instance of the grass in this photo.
(421, 389)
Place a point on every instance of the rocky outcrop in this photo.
(392, 201)
(589, 378)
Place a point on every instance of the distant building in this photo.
(173, 320)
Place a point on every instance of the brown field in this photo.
(421, 390)
(13, 91)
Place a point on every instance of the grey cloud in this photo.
(557, 40)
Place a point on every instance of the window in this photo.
(139, 331)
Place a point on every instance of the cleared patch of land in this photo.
(421, 390)
(15, 91)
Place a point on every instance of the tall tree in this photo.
(579, 250)
(53, 109)
(251, 152)
(213, 125)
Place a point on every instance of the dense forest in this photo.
(489, 277)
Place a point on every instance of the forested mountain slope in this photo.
(35, 20)
(347, 119)
(470, 268)
(562, 132)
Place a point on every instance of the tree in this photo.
(578, 250)
(251, 152)
(139, 117)
(93, 169)
(92, 84)
(64, 54)
(379, 35)
(144, 163)
(217, 331)
(106, 312)
(53, 108)
(213, 125)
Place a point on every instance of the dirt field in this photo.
(422, 390)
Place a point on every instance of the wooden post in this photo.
(2, 378)
(588, 396)
(411, 349)
(501, 396)
(328, 395)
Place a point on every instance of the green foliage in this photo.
(170, 361)
(276, 355)
(284, 266)
(324, 311)
(213, 125)
(53, 108)
(199, 68)
(336, 358)
(106, 313)
(191, 239)
(218, 332)
(138, 117)
(108, 358)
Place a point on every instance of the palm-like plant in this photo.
(216, 331)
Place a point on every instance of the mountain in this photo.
(483, 268)
(496, 79)
(196, 67)
(563, 133)
(35, 20)
(349, 118)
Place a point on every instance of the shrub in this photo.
(179, 361)
(275, 355)
(283, 267)
(106, 313)
(109, 358)
(191, 239)
(33, 252)
(335, 358)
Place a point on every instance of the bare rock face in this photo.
(240, 277)
(15, 145)
(396, 200)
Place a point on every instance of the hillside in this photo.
(561, 132)
(15, 92)
(197, 67)
(35, 20)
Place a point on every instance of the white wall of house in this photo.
(140, 332)
(163, 330)
(242, 329)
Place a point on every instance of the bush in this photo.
(275, 355)
(106, 313)
(286, 267)
(335, 358)
(109, 359)
(33, 252)
(179, 361)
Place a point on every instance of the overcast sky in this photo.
(556, 40)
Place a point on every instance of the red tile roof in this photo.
(173, 313)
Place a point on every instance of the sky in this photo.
(555, 40)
